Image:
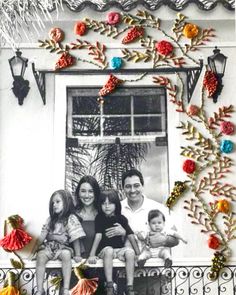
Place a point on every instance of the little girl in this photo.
(109, 248)
(60, 229)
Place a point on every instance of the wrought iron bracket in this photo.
(192, 75)
(192, 78)
(41, 83)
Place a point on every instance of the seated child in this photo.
(156, 220)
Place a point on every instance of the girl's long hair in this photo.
(96, 190)
(67, 209)
(113, 197)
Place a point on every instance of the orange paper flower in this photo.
(223, 206)
(65, 60)
(80, 28)
(190, 31)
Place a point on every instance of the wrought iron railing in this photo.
(178, 280)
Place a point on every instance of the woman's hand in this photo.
(93, 259)
(116, 230)
(77, 258)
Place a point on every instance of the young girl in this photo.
(109, 248)
(60, 229)
(156, 221)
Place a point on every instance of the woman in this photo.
(87, 194)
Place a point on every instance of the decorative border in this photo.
(127, 5)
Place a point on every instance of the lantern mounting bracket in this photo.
(192, 75)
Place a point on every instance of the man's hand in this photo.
(156, 241)
(116, 230)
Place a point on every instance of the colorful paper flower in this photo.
(223, 206)
(213, 242)
(56, 34)
(189, 166)
(193, 110)
(164, 47)
(80, 28)
(227, 127)
(65, 60)
(210, 83)
(113, 18)
(116, 63)
(190, 31)
(226, 146)
(133, 34)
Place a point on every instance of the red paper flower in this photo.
(65, 60)
(80, 28)
(210, 83)
(85, 287)
(15, 240)
(189, 166)
(56, 34)
(193, 110)
(133, 34)
(213, 242)
(110, 85)
(227, 128)
(164, 47)
(113, 18)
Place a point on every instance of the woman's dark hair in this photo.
(130, 173)
(68, 208)
(155, 213)
(113, 197)
(96, 189)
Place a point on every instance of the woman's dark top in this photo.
(102, 222)
(87, 242)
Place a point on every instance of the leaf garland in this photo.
(223, 113)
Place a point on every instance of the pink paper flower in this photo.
(164, 47)
(56, 34)
(113, 18)
(227, 128)
(193, 110)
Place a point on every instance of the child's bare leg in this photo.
(65, 257)
(42, 259)
(165, 254)
(129, 265)
(108, 263)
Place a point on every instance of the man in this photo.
(136, 207)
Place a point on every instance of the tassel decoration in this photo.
(84, 286)
(10, 289)
(110, 85)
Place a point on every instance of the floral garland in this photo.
(207, 161)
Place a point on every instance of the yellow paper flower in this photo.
(190, 31)
(223, 206)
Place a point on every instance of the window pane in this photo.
(117, 105)
(147, 125)
(85, 105)
(150, 104)
(86, 126)
(117, 126)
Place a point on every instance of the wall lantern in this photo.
(217, 63)
(18, 65)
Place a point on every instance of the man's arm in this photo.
(163, 241)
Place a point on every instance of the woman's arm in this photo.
(134, 244)
(76, 246)
(92, 256)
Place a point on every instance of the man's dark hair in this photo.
(130, 173)
(155, 213)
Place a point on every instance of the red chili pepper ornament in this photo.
(210, 83)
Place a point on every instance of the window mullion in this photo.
(132, 114)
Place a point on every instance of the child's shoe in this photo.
(168, 263)
(109, 288)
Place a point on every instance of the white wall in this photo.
(29, 142)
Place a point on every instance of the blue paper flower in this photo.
(116, 63)
(226, 146)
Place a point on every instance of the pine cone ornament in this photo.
(210, 83)
(133, 34)
(177, 191)
(110, 85)
(218, 263)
